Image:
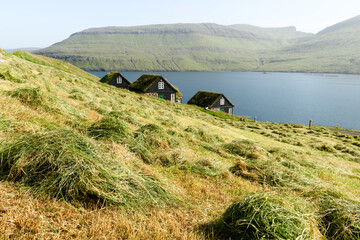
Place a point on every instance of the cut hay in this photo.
(32, 97)
(108, 128)
(339, 219)
(247, 171)
(65, 165)
(242, 148)
(148, 139)
(262, 216)
(8, 76)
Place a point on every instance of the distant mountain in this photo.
(175, 47)
(26, 49)
(336, 49)
(212, 47)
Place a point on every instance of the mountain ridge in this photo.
(351, 21)
(175, 47)
(333, 50)
(212, 47)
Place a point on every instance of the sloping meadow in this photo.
(76, 140)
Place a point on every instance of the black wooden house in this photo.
(156, 86)
(116, 79)
(213, 101)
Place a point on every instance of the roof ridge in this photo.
(205, 98)
(145, 81)
(110, 76)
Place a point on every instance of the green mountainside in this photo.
(212, 47)
(177, 47)
(336, 49)
(80, 159)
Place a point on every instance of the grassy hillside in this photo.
(177, 47)
(333, 50)
(80, 159)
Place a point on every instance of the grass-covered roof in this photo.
(108, 77)
(144, 82)
(111, 75)
(204, 99)
(178, 94)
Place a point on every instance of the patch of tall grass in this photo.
(32, 97)
(242, 148)
(77, 94)
(108, 128)
(203, 135)
(9, 77)
(65, 165)
(37, 99)
(148, 139)
(206, 167)
(262, 216)
(126, 116)
(247, 171)
(339, 219)
(5, 123)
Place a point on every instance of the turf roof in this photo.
(146, 80)
(143, 83)
(205, 99)
(110, 76)
(178, 94)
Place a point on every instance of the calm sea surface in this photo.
(327, 99)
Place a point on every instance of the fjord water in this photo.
(326, 99)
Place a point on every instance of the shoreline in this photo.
(194, 71)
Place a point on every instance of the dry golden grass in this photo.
(24, 217)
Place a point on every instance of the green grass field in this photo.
(80, 159)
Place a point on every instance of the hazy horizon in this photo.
(42, 23)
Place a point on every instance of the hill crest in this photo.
(349, 23)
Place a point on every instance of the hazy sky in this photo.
(41, 23)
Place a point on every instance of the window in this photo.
(222, 101)
(173, 97)
(119, 80)
(161, 85)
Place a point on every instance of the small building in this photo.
(116, 79)
(213, 101)
(156, 86)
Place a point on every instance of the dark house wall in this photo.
(125, 83)
(224, 108)
(167, 91)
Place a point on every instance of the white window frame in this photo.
(222, 101)
(172, 97)
(230, 111)
(161, 85)
(119, 80)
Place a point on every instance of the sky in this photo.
(41, 23)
